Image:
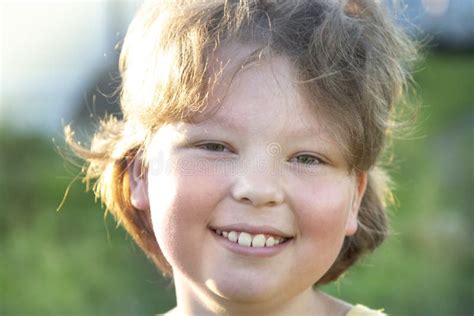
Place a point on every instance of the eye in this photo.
(307, 160)
(213, 147)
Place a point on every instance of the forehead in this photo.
(252, 87)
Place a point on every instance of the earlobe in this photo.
(138, 184)
(361, 185)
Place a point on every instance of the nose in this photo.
(258, 189)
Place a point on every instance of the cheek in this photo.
(323, 208)
(184, 180)
(181, 203)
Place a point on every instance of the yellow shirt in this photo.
(361, 310)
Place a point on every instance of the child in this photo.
(246, 162)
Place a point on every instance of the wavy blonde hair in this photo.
(351, 61)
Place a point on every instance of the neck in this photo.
(197, 301)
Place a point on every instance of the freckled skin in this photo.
(244, 182)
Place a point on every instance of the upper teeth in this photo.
(248, 240)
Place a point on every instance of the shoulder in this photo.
(361, 310)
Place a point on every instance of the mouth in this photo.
(251, 240)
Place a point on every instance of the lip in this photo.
(262, 252)
(254, 230)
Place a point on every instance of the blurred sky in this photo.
(51, 51)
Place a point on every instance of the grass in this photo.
(67, 262)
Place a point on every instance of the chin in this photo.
(249, 290)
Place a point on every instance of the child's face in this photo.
(264, 160)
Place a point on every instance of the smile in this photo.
(246, 244)
(248, 240)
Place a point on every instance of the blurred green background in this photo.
(76, 262)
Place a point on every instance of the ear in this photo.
(138, 184)
(359, 191)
